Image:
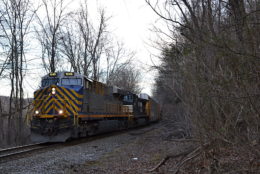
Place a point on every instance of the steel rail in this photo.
(13, 151)
(22, 150)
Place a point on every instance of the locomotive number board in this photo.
(69, 73)
(53, 74)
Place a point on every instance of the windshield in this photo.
(71, 81)
(128, 98)
(48, 82)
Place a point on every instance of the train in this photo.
(69, 105)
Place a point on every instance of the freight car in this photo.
(69, 105)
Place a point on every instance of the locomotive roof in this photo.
(65, 74)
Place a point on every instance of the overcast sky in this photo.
(130, 22)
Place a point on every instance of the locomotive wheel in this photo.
(92, 129)
(147, 120)
(126, 125)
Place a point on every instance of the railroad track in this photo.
(20, 150)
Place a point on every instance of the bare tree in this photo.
(71, 48)
(117, 58)
(75, 42)
(209, 76)
(127, 78)
(86, 32)
(217, 45)
(97, 45)
(84, 44)
(15, 19)
(49, 33)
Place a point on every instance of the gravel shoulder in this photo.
(147, 148)
(133, 151)
(138, 151)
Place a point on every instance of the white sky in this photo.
(131, 23)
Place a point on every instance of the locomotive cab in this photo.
(59, 95)
(56, 104)
(68, 79)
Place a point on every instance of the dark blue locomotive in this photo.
(69, 105)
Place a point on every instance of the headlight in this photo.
(53, 91)
(60, 111)
(36, 112)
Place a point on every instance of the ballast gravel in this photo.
(58, 161)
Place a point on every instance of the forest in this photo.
(207, 80)
(64, 39)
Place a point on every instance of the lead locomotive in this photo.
(69, 105)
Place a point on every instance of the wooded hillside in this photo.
(209, 77)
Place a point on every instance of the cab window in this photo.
(128, 98)
(50, 81)
(87, 84)
(71, 81)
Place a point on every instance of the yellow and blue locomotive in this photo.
(69, 105)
